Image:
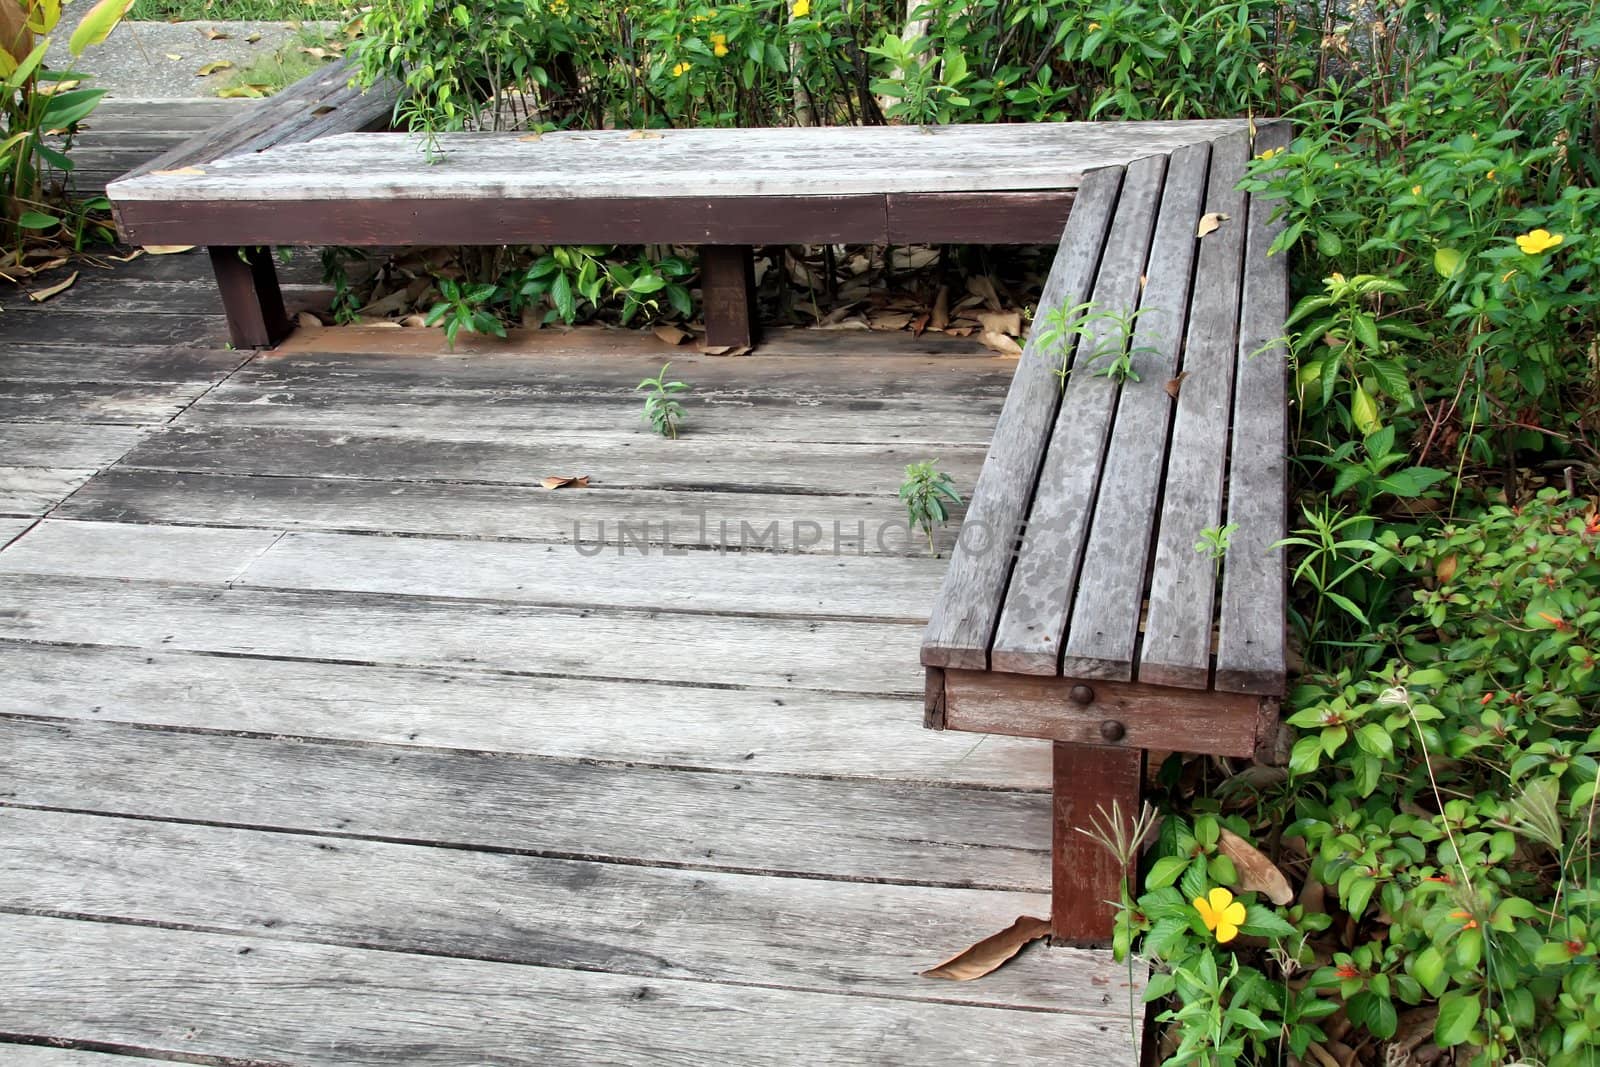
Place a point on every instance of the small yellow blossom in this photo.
(1221, 913)
(1335, 278)
(1535, 241)
(680, 70)
(1416, 190)
(1093, 26)
(1491, 175)
(801, 9)
(719, 44)
(1270, 153)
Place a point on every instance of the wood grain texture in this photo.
(35, 490)
(133, 364)
(102, 402)
(728, 295)
(65, 445)
(846, 829)
(1251, 654)
(968, 605)
(839, 937)
(91, 332)
(48, 1056)
(1108, 604)
(1033, 619)
(247, 281)
(12, 528)
(143, 553)
(225, 995)
(832, 161)
(1095, 786)
(1178, 632)
(976, 218)
(637, 460)
(417, 631)
(751, 730)
(1150, 717)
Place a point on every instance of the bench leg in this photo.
(248, 281)
(1085, 875)
(728, 286)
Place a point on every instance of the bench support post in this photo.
(1084, 873)
(248, 281)
(728, 286)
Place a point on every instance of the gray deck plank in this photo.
(222, 995)
(1033, 619)
(416, 631)
(1109, 601)
(765, 730)
(805, 522)
(1251, 654)
(101, 402)
(35, 490)
(824, 161)
(1178, 632)
(64, 445)
(46, 1056)
(853, 829)
(11, 528)
(836, 937)
(632, 460)
(771, 584)
(968, 605)
(141, 364)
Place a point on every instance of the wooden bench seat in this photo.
(1077, 607)
(722, 190)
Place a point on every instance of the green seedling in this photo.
(924, 493)
(661, 408)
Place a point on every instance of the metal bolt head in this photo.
(1112, 730)
(1081, 695)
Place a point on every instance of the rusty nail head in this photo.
(1112, 730)
(1081, 694)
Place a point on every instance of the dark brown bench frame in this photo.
(1084, 614)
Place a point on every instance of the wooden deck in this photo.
(321, 741)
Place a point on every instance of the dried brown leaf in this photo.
(988, 954)
(130, 257)
(644, 135)
(671, 335)
(889, 320)
(41, 295)
(981, 287)
(308, 320)
(168, 250)
(1257, 874)
(211, 33)
(213, 67)
(534, 136)
(1175, 385)
(1006, 322)
(1446, 569)
(941, 309)
(919, 325)
(414, 320)
(566, 481)
(1000, 343)
(1210, 222)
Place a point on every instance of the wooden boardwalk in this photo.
(322, 742)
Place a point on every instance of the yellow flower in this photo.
(801, 9)
(1416, 190)
(1093, 26)
(1270, 153)
(1491, 175)
(680, 70)
(1221, 913)
(719, 44)
(1535, 241)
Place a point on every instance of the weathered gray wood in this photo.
(417, 631)
(102, 402)
(1178, 633)
(838, 937)
(165, 115)
(613, 461)
(872, 526)
(762, 730)
(35, 490)
(48, 1056)
(1033, 618)
(1107, 607)
(826, 161)
(769, 584)
(12, 528)
(1251, 657)
(969, 602)
(66, 445)
(142, 364)
(843, 829)
(91, 331)
(221, 995)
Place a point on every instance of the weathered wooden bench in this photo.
(319, 105)
(1080, 605)
(723, 190)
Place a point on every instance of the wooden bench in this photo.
(319, 105)
(723, 190)
(1077, 607)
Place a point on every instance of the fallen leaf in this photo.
(317, 53)
(1176, 384)
(958, 331)
(248, 92)
(174, 56)
(180, 170)
(671, 335)
(1209, 222)
(560, 481)
(1006, 322)
(1000, 343)
(378, 324)
(890, 321)
(980, 286)
(51, 88)
(644, 135)
(42, 295)
(724, 350)
(919, 325)
(130, 257)
(324, 109)
(386, 305)
(414, 320)
(213, 67)
(941, 309)
(168, 250)
(211, 33)
(251, 38)
(991, 952)
(308, 320)
(535, 136)
(1257, 873)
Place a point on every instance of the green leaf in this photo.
(97, 25)
(66, 108)
(1262, 921)
(1165, 871)
(1428, 969)
(561, 296)
(1458, 1014)
(37, 220)
(1447, 261)
(1363, 411)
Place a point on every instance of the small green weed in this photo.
(1110, 333)
(1214, 541)
(661, 408)
(925, 493)
(464, 307)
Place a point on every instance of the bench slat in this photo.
(1177, 642)
(1105, 617)
(968, 604)
(1250, 651)
(1033, 620)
